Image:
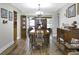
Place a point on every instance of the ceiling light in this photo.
(39, 13)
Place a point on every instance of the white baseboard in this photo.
(5, 47)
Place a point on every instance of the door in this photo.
(23, 27)
(15, 26)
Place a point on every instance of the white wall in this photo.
(64, 19)
(6, 30)
(57, 21)
(54, 23)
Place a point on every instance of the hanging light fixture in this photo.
(39, 12)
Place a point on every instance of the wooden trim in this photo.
(15, 26)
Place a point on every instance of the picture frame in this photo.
(3, 13)
(10, 16)
(71, 11)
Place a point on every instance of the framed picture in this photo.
(3, 13)
(10, 16)
(71, 11)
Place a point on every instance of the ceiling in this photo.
(31, 8)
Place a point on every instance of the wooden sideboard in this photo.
(64, 37)
(63, 34)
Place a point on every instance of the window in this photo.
(32, 22)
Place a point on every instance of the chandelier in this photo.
(39, 12)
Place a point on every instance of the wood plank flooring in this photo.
(22, 49)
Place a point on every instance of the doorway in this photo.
(15, 26)
(23, 27)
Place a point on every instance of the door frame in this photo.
(15, 26)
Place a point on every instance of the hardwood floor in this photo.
(20, 49)
(41, 51)
(23, 48)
